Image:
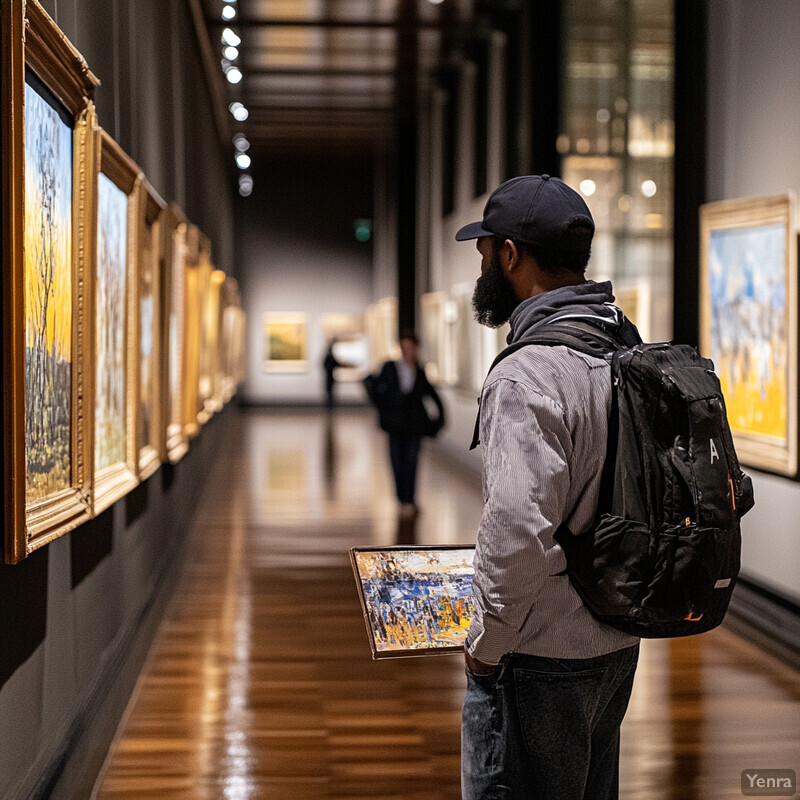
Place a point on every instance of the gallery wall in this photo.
(298, 253)
(753, 130)
(78, 614)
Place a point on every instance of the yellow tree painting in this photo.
(48, 297)
(110, 320)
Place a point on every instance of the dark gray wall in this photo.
(154, 101)
(77, 616)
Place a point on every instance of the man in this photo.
(409, 408)
(547, 683)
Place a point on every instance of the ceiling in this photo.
(319, 73)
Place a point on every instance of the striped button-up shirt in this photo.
(543, 427)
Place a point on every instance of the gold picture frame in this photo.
(232, 352)
(173, 381)
(47, 119)
(191, 340)
(112, 303)
(208, 323)
(749, 323)
(285, 341)
(150, 440)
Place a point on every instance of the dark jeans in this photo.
(404, 454)
(546, 729)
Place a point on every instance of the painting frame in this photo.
(285, 330)
(33, 45)
(192, 274)
(113, 480)
(365, 561)
(757, 240)
(176, 442)
(150, 427)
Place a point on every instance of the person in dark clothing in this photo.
(329, 364)
(409, 408)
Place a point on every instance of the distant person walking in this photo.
(329, 364)
(409, 408)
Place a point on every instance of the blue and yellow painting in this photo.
(749, 326)
(416, 600)
(48, 296)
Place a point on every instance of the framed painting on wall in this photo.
(231, 357)
(748, 323)
(149, 426)
(47, 120)
(192, 283)
(113, 306)
(416, 601)
(175, 232)
(285, 341)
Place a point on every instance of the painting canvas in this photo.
(749, 324)
(110, 324)
(285, 342)
(416, 601)
(149, 440)
(48, 297)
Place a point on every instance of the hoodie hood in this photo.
(586, 300)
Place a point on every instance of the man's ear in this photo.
(512, 255)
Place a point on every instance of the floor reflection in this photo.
(261, 683)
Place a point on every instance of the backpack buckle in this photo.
(690, 617)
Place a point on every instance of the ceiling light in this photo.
(239, 112)
(588, 187)
(649, 188)
(242, 160)
(230, 38)
(233, 74)
(240, 142)
(231, 53)
(228, 13)
(245, 185)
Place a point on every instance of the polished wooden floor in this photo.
(260, 682)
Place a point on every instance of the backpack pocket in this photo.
(609, 565)
(693, 575)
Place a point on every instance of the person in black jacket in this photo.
(408, 409)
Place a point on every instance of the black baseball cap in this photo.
(536, 209)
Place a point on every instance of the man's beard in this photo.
(493, 299)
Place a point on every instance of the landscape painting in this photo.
(48, 297)
(749, 325)
(285, 342)
(110, 325)
(148, 339)
(416, 601)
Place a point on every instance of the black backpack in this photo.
(664, 552)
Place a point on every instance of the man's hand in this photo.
(478, 667)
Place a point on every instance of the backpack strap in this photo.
(597, 338)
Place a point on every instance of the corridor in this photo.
(260, 682)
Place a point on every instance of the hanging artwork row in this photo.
(120, 339)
